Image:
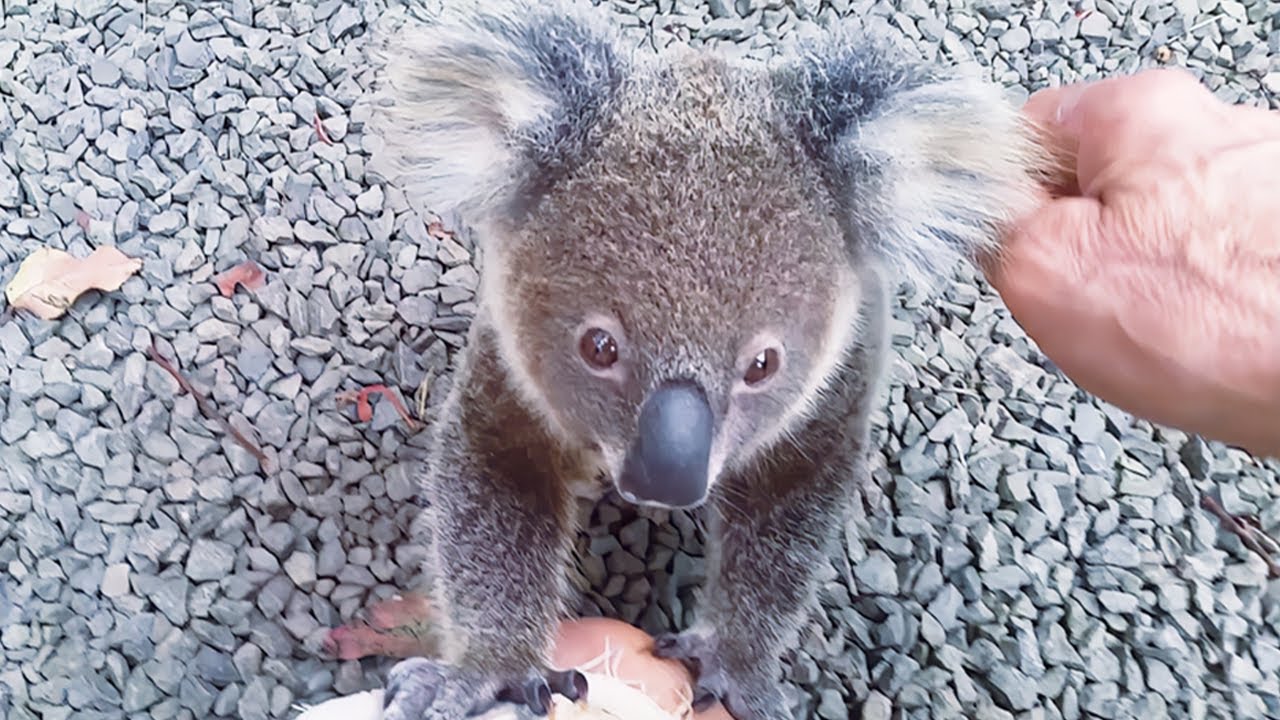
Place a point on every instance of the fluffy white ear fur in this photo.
(930, 162)
(954, 161)
(488, 94)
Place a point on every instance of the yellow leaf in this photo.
(49, 281)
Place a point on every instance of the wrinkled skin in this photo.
(1157, 243)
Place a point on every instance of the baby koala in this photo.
(687, 262)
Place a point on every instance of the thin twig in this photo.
(320, 131)
(365, 410)
(206, 407)
(1244, 532)
(1266, 540)
(423, 393)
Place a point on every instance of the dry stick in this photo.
(320, 131)
(206, 407)
(1242, 531)
(361, 398)
(1264, 539)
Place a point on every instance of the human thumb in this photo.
(1046, 255)
(1055, 127)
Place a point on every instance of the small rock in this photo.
(877, 707)
(104, 72)
(165, 223)
(1016, 40)
(1005, 577)
(1271, 81)
(301, 568)
(831, 705)
(209, 560)
(877, 574)
(1096, 28)
(1120, 551)
(1011, 689)
(91, 448)
(1089, 424)
(1050, 502)
(370, 201)
(115, 581)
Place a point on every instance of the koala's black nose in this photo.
(667, 463)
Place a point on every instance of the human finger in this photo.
(1087, 128)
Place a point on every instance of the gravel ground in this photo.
(1027, 551)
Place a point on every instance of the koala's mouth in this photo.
(667, 463)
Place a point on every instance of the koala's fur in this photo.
(699, 209)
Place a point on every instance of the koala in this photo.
(688, 261)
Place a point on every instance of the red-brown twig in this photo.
(365, 411)
(320, 131)
(1244, 532)
(206, 407)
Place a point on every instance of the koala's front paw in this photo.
(422, 689)
(744, 691)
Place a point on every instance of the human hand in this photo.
(1151, 273)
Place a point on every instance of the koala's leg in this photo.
(769, 530)
(767, 537)
(500, 521)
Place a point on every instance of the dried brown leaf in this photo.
(439, 231)
(49, 281)
(247, 274)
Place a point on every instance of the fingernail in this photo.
(1066, 115)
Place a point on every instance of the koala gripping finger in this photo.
(746, 693)
(422, 689)
(535, 690)
(425, 689)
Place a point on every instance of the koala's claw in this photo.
(415, 686)
(536, 690)
(423, 689)
(698, 652)
(744, 696)
(537, 695)
(569, 683)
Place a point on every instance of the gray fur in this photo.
(928, 162)
(700, 209)
(482, 109)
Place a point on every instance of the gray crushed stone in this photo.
(1025, 550)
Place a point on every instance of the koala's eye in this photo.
(762, 367)
(598, 348)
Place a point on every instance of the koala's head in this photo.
(677, 247)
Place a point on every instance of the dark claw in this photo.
(704, 700)
(536, 691)
(413, 686)
(665, 642)
(537, 695)
(569, 683)
(686, 649)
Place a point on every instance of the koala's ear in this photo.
(486, 104)
(925, 162)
